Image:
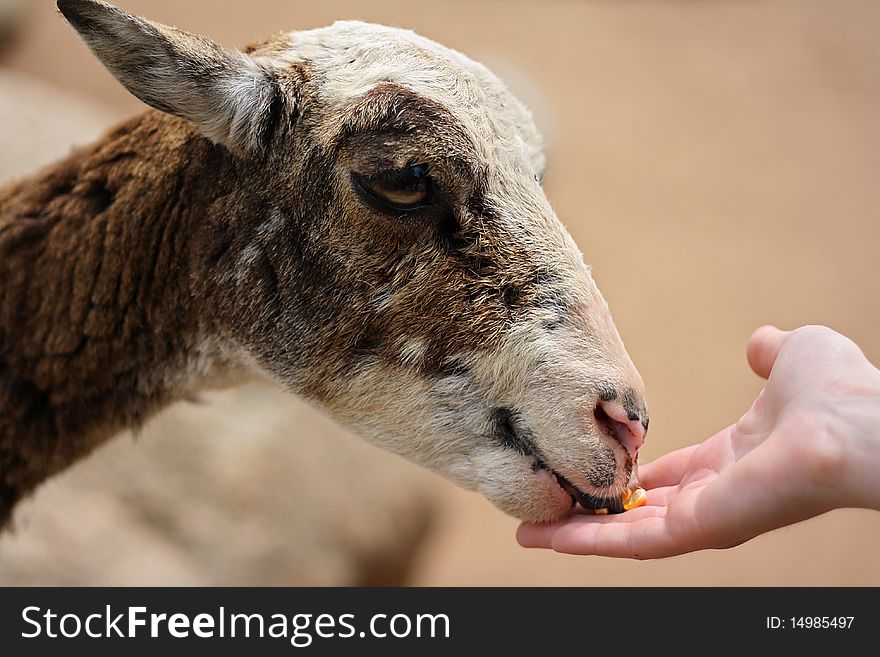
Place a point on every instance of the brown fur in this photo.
(95, 293)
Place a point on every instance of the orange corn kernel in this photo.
(633, 499)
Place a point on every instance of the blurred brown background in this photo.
(718, 163)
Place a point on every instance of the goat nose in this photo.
(625, 425)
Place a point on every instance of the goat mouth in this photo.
(514, 433)
(578, 497)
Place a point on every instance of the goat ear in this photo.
(229, 95)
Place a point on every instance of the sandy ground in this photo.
(717, 162)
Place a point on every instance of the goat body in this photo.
(99, 320)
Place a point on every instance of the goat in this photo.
(354, 211)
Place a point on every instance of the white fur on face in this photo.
(446, 424)
(353, 57)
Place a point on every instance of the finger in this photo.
(763, 348)
(666, 470)
(604, 518)
(541, 535)
(529, 535)
(647, 538)
(661, 495)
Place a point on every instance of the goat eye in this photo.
(402, 189)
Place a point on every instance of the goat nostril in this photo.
(624, 426)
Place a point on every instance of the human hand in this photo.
(809, 443)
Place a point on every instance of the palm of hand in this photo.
(756, 475)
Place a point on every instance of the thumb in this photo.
(764, 347)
